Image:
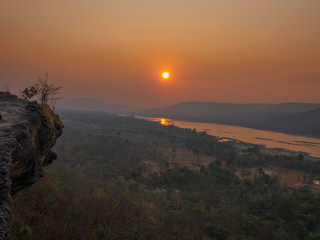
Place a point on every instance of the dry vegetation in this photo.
(124, 178)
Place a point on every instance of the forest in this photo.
(102, 187)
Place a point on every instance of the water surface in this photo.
(268, 138)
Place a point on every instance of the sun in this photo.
(165, 75)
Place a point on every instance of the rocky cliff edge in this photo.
(27, 134)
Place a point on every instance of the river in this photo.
(267, 138)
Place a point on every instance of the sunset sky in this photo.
(116, 50)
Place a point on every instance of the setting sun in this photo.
(165, 75)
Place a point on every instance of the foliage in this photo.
(29, 93)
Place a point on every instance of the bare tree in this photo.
(45, 91)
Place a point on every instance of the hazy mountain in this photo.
(300, 118)
(209, 111)
(93, 104)
(299, 123)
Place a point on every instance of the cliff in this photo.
(27, 135)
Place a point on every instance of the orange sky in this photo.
(222, 51)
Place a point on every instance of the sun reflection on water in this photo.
(164, 121)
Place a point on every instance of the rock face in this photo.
(27, 135)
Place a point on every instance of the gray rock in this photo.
(27, 134)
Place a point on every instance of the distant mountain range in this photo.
(295, 118)
(94, 104)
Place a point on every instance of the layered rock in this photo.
(27, 134)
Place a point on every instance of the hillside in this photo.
(307, 122)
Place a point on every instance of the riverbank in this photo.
(274, 142)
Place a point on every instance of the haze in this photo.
(223, 51)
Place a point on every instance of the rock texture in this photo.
(27, 135)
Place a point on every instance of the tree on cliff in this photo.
(43, 91)
(29, 93)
